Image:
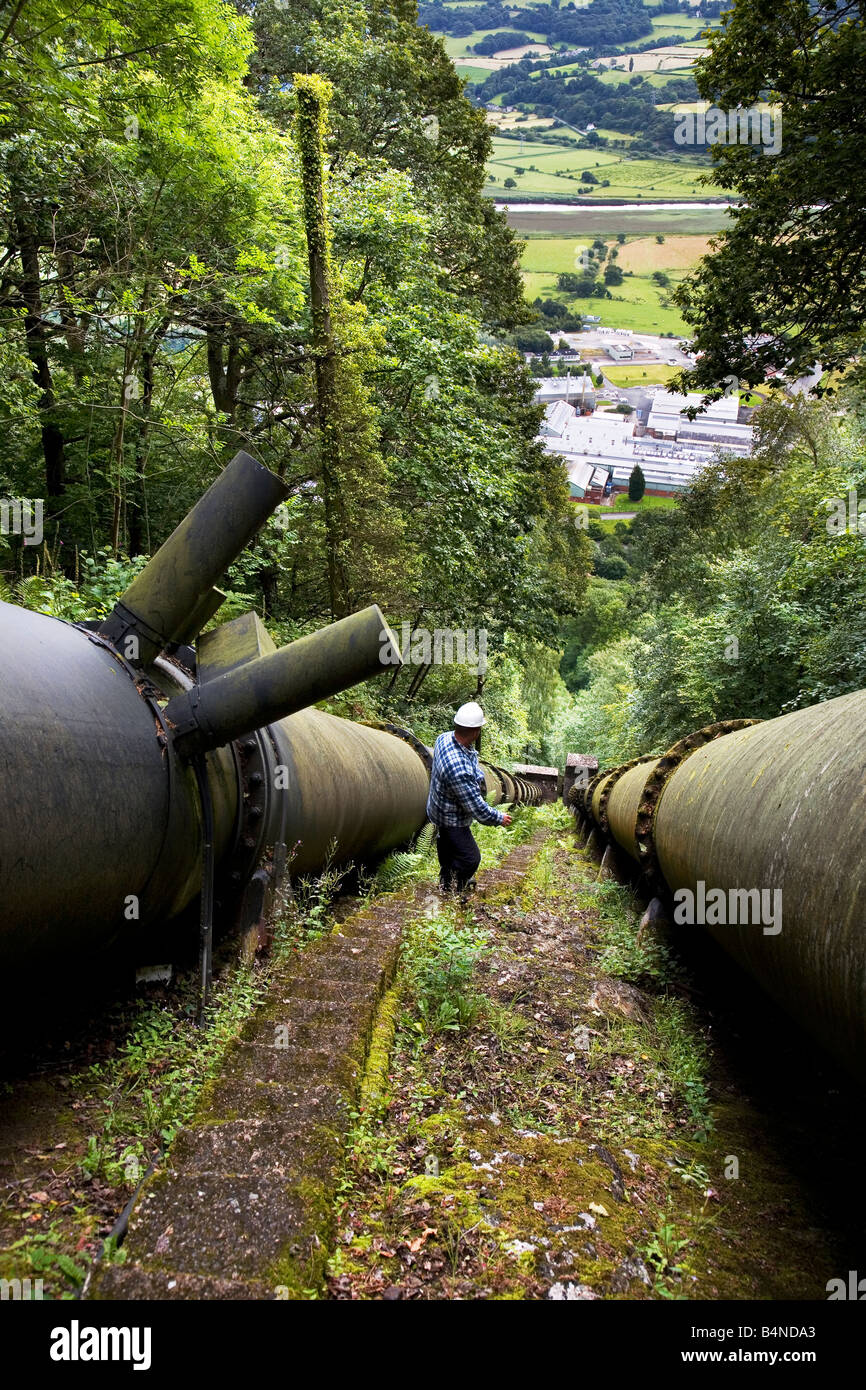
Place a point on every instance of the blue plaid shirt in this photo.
(455, 794)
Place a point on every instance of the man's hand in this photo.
(506, 819)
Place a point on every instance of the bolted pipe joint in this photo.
(268, 688)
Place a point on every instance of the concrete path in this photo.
(240, 1208)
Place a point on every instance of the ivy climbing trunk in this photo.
(313, 96)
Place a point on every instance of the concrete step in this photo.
(227, 1227)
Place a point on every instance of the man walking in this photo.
(455, 800)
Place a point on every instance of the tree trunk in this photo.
(138, 505)
(53, 444)
(312, 94)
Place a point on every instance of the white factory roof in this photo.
(561, 388)
(557, 417)
(606, 441)
(580, 473)
(667, 405)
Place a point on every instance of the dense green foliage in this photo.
(786, 286)
(157, 315)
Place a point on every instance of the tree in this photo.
(583, 285)
(786, 286)
(195, 262)
(611, 567)
(143, 194)
(531, 340)
(510, 183)
(613, 275)
(636, 484)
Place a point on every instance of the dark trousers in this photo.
(459, 856)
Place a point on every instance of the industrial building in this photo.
(601, 449)
(578, 391)
(715, 427)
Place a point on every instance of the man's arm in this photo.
(463, 785)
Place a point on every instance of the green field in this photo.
(635, 374)
(670, 24)
(613, 77)
(682, 24)
(557, 170)
(648, 503)
(636, 303)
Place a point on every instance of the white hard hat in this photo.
(470, 716)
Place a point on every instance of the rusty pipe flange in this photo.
(530, 793)
(252, 763)
(574, 804)
(656, 782)
(613, 774)
(507, 783)
(424, 753)
(589, 791)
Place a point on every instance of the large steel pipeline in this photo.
(624, 801)
(138, 770)
(756, 829)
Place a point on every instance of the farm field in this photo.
(666, 58)
(558, 168)
(511, 120)
(613, 77)
(643, 255)
(682, 24)
(670, 24)
(636, 303)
